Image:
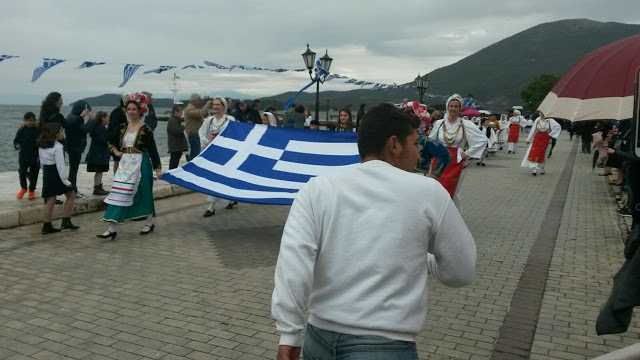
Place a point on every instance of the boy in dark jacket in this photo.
(76, 140)
(25, 141)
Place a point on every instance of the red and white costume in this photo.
(539, 137)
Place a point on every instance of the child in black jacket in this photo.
(25, 142)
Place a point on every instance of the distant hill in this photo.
(496, 74)
(114, 99)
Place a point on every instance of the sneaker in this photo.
(21, 193)
(32, 195)
(80, 196)
(624, 212)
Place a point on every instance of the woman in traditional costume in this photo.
(503, 131)
(515, 123)
(210, 129)
(463, 139)
(543, 130)
(131, 196)
(487, 128)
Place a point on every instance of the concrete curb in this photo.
(33, 214)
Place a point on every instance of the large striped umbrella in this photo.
(599, 86)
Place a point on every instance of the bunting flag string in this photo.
(88, 64)
(46, 65)
(5, 57)
(129, 69)
(160, 69)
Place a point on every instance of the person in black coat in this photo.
(50, 111)
(360, 115)
(76, 140)
(117, 117)
(254, 112)
(176, 139)
(98, 156)
(150, 118)
(25, 141)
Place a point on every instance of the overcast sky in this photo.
(379, 41)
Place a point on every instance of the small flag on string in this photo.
(194, 66)
(46, 65)
(5, 57)
(160, 69)
(218, 66)
(351, 81)
(298, 70)
(129, 69)
(360, 82)
(278, 70)
(367, 83)
(88, 64)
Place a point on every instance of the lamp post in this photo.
(328, 109)
(309, 58)
(422, 83)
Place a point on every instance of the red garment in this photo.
(451, 175)
(514, 133)
(539, 147)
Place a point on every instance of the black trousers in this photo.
(29, 171)
(74, 163)
(174, 159)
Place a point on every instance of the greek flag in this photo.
(5, 57)
(46, 65)
(88, 64)
(194, 66)
(160, 69)
(221, 67)
(265, 164)
(351, 81)
(129, 69)
(278, 70)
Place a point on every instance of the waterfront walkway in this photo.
(199, 288)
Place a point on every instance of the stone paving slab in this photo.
(200, 288)
(14, 212)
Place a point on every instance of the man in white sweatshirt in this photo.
(358, 246)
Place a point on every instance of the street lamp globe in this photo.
(325, 61)
(309, 58)
(420, 82)
(426, 81)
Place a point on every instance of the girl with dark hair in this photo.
(50, 110)
(131, 196)
(345, 123)
(98, 156)
(54, 176)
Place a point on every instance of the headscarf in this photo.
(454, 97)
(271, 117)
(223, 101)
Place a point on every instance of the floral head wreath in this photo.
(140, 99)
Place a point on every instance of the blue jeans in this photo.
(322, 344)
(194, 146)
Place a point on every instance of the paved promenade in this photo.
(200, 288)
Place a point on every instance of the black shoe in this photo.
(478, 163)
(230, 206)
(549, 157)
(98, 190)
(509, 152)
(534, 174)
(209, 213)
(58, 202)
(107, 235)
(66, 224)
(47, 228)
(483, 164)
(624, 212)
(235, 203)
(148, 231)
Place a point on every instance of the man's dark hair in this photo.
(381, 123)
(255, 102)
(314, 122)
(29, 115)
(176, 107)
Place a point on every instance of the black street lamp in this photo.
(309, 58)
(422, 83)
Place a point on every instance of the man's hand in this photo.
(286, 352)
(464, 155)
(84, 112)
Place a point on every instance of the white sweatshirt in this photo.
(357, 248)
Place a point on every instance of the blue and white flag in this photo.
(88, 64)
(278, 70)
(129, 69)
(221, 67)
(351, 81)
(265, 164)
(5, 57)
(160, 70)
(46, 65)
(194, 66)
